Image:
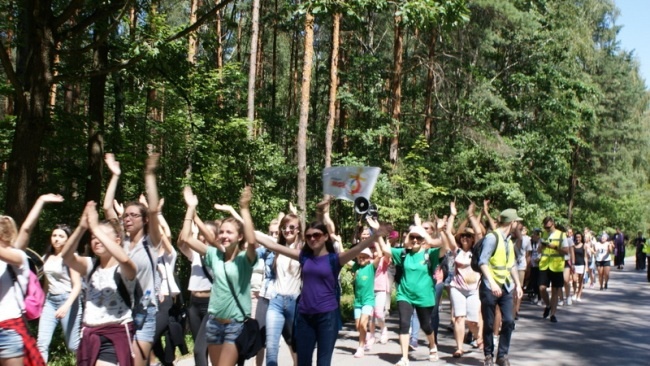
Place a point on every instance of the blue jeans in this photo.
(279, 320)
(47, 324)
(321, 329)
(488, 308)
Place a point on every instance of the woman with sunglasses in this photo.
(283, 290)
(62, 302)
(415, 291)
(144, 238)
(465, 282)
(318, 313)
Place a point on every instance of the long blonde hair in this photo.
(8, 229)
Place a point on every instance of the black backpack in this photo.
(476, 253)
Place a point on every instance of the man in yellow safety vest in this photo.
(553, 249)
(500, 281)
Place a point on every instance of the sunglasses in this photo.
(289, 228)
(467, 236)
(415, 237)
(315, 236)
(547, 227)
(132, 215)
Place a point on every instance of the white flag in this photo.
(350, 182)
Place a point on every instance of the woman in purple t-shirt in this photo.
(317, 318)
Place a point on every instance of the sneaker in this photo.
(540, 303)
(579, 300)
(488, 361)
(402, 362)
(569, 302)
(574, 297)
(359, 353)
(503, 361)
(547, 311)
(495, 339)
(384, 336)
(370, 340)
(474, 343)
(560, 303)
(413, 345)
(553, 319)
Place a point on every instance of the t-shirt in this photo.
(58, 275)
(287, 280)
(602, 251)
(535, 255)
(104, 305)
(319, 284)
(147, 277)
(11, 298)
(416, 286)
(239, 270)
(198, 280)
(166, 269)
(381, 275)
(364, 285)
(567, 256)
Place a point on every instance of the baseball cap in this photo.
(366, 252)
(508, 216)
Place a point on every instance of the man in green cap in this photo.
(500, 282)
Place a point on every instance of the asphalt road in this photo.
(610, 327)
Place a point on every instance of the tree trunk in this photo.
(274, 67)
(97, 96)
(428, 109)
(304, 113)
(334, 81)
(252, 67)
(9, 99)
(219, 53)
(396, 89)
(191, 46)
(573, 183)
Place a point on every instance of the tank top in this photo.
(579, 255)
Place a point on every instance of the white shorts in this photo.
(465, 303)
(380, 304)
(579, 269)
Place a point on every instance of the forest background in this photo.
(529, 103)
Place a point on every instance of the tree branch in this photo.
(117, 67)
(67, 13)
(191, 28)
(9, 70)
(93, 18)
(100, 39)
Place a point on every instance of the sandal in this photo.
(433, 354)
(403, 362)
(458, 353)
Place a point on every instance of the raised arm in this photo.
(187, 238)
(475, 222)
(75, 280)
(113, 246)
(152, 197)
(451, 240)
(114, 166)
(76, 263)
(351, 253)
(186, 231)
(486, 212)
(323, 214)
(270, 244)
(249, 227)
(230, 210)
(22, 239)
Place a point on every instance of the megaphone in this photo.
(361, 205)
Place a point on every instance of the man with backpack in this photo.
(500, 281)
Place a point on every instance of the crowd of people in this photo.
(116, 304)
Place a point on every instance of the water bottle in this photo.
(141, 312)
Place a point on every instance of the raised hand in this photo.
(246, 196)
(372, 223)
(471, 209)
(142, 199)
(161, 203)
(118, 207)
(293, 209)
(190, 199)
(486, 205)
(91, 213)
(452, 208)
(224, 208)
(51, 197)
(112, 164)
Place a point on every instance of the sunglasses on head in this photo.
(315, 236)
(289, 228)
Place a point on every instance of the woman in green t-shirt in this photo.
(415, 290)
(234, 265)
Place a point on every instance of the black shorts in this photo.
(107, 351)
(548, 277)
(603, 263)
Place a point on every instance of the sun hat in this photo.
(508, 216)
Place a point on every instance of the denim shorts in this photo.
(148, 330)
(11, 344)
(219, 333)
